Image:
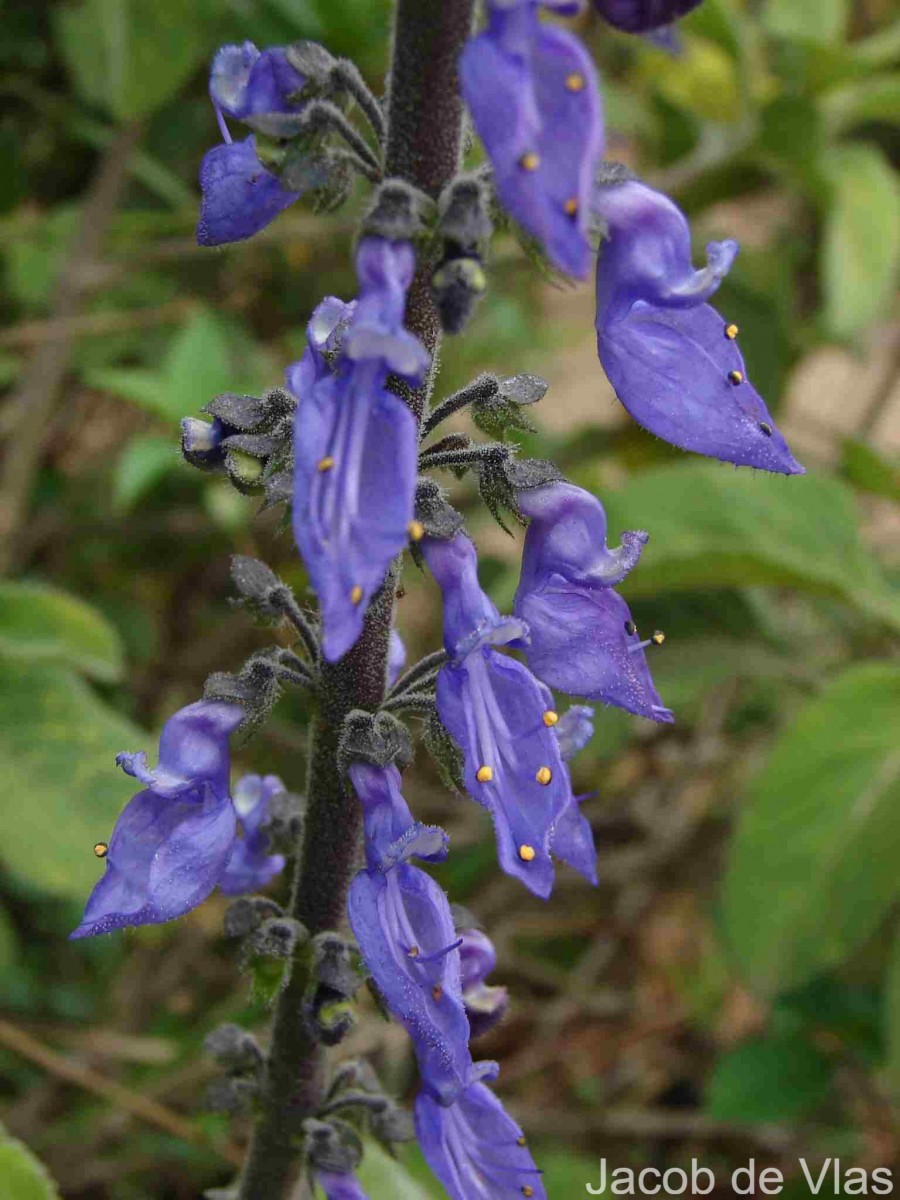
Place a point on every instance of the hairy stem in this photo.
(423, 147)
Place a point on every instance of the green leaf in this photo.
(143, 462)
(768, 1079)
(381, 1175)
(806, 20)
(861, 248)
(812, 866)
(128, 55)
(870, 471)
(22, 1175)
(39, 622)
(876, 99)
(712, 527)
(58, 744)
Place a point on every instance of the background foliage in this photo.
(733, 987)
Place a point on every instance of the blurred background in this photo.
(732, 988)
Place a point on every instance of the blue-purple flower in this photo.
(485, 1005)
(355, 445)
(174, 840)
(500, 716)
(673, 361)
(402, 922)
(534, 98)
(238, 195)
(476, 1149)
(583, 640)
(642, 16)
(251, 866)
(340, 1185)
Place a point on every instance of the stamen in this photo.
(735, 378)
(570, 208)
(527, 853)
(521, 1141)
(575, 82)
(527, 1189)
(731, 332)
(356, 594)
(416, 531)
(413, 952)
(325, 464)
(439, 954)
(630, 628)
(635, 646)
(550, 718)
(657, 637)
(544, 775)
(766, 428)
(484, 774)
(101, 849)
(530, 161)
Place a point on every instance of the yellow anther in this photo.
(731, 332)
(527, 853)
(521, 1141)
(484, 774)
(325, 464)
(544, 775)
(416, 531)
(570, 208)
(575, 82)
(530, 161)
(101, 849)
(413, 952)
(356, 594)
(735, 377)
(550, 718)
(527, 1190)
(657, 637)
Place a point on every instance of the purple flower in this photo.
(251, 866)
(355, 445)
(250, 86)
(340, 1185)
(583, 640)
(238, 195)
(173, 841)
(573, 838)
(500, 716)
(476, 1150)
(673, 361)
(485, 1006)
(402, 922)
(534, 98)
(641, 16)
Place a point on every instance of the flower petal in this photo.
(338, 1185)
(476, 1150)
(165, 857)
(239, 197)
(639, 16)
(580, 644)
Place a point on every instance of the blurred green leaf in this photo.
(714, 527)
(381, 1175)
(22, 1176)
(129, 55)
(8, 942)
(199, 364)
(143, 462)
(869, 470)
(39, 622)
(58, 745)
(33, 256)
(812, 865)
(876, 99)
(806, 20)
(861, 246)
(892, 1020)
(768, 1079)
